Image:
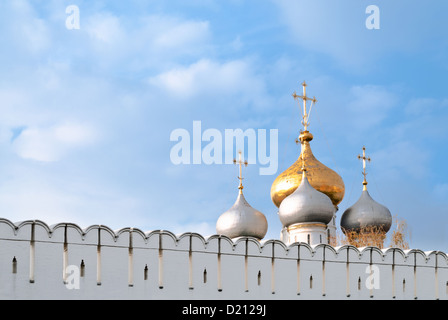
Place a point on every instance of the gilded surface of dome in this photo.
(321, 177)
(306, 204)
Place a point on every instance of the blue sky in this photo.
(86, 114)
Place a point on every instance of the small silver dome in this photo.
(242, 220)
(306, 204)
(366, 212)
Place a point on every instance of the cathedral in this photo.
(307, 195)
(65, 261)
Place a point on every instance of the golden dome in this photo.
(319, 176)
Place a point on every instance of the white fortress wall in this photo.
(100, 263)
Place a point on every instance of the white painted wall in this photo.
(241, 269)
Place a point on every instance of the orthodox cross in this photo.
(240, 177)
(306, 113)
(364, 159)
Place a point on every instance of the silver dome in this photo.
(306, 204)
(366, 212)
(242, 220)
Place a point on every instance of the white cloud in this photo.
(146, 41)
(52, 143)
(36, 34)
(180, 34)
(26, 31)
(207, 78)
(105, 28)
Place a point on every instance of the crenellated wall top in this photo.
(72, 233)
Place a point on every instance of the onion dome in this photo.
(366, 212)
(241, 220)
(306, 204)
(319, 176)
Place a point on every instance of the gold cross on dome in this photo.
(240, 162)
(364, 159)
(305, 113)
